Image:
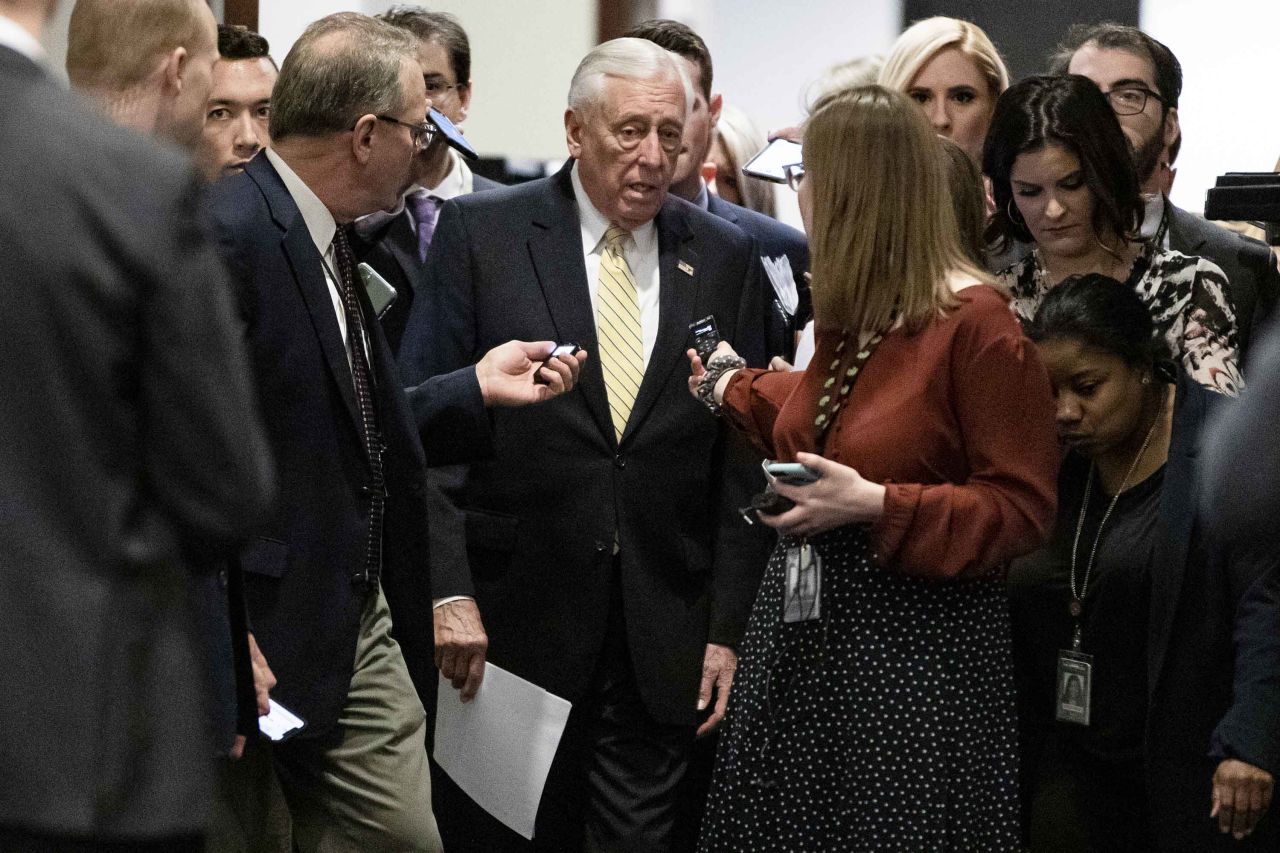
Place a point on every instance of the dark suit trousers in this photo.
(613, 785)
(32, 842)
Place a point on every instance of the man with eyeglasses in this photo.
(1142, 79)
(348, 546)
(395, 243)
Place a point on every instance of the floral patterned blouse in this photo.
(1189, 305)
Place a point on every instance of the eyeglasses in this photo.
(422, 134)
(795, 174)
(1130, 100)
(437, 87)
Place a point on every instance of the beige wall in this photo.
(523, 54)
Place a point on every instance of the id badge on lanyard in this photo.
(802, 595)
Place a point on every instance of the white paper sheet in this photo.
(783, 280)
(280, 722)
(498, 747)
(804, 349)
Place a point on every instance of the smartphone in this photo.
(451, 134)
(772, 161)
(705, 336)
(381, 293)
(280, 723)
(564, 350)
(792, 473)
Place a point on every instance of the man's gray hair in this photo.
(342, 67)
(627, 59)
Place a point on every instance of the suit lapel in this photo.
(555, 247)
(678, 273)
(402, 245)
(308, 275)
(1185, 234)
(1178, 499)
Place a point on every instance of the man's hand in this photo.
(461, 644)
(1241, 796)
(263, 681)
(718, 665)
(506, 373)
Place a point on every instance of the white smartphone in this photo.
(280, 723)
(792, 473)
(381, 293)
(772, 161)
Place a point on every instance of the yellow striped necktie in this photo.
(618, 328)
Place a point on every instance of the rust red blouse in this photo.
(956, 421)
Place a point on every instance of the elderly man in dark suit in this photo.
(347, 120)
(606, 555)
(131, 450)
(774, 239)
(1125, 59)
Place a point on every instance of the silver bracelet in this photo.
(717, 367)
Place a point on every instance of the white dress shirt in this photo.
(16, 37)
(642, 257)
(322, 226)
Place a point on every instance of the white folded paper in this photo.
(783, 280)
(804, 349)
(499, 746)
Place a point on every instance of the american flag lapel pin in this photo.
(685, 268)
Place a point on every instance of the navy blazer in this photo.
(542, 514)
(1213, 651)
(304, 608)
(774, 240)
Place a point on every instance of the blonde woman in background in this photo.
(737, 141)
(953, 71)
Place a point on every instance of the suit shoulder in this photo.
(479, 183)
(760, 226)
(708, 225)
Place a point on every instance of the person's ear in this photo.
(714, 108)
(464, 101)
(573, 133)
(175, 69)
(1172, 130)
(362, 138)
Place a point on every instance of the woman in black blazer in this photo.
(1174, 637)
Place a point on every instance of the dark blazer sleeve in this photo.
(1240, 457)
(741, 550)
(1250, 731)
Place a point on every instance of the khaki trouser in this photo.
(371, 792)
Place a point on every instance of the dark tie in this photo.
(369, 433)
(426, 210)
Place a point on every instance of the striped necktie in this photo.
(618, 327)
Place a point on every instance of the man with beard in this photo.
(1143, 80)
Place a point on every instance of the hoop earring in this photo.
(1016, 219)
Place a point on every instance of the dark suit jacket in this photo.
(304, 608)
(393, 252)
(1254, 282)
(131, 451)
(542, 514)
(774, 239)
(1213, 652)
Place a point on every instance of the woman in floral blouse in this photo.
(1062, 177)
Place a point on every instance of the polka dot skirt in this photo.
(887, 724)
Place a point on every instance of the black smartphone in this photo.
(563, 349)
(705, 336)
(451, 134)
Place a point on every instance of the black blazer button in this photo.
(619, 462)
(601, 548)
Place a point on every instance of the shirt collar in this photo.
(702, 199)
(594, 223)
(319, 220)
(1153, 214)
(17, 38)
(454, 183)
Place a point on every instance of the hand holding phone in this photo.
(566, 350)
(792, 473)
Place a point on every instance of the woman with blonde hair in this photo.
(737, 140)
(953, 71)
(874, 702)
